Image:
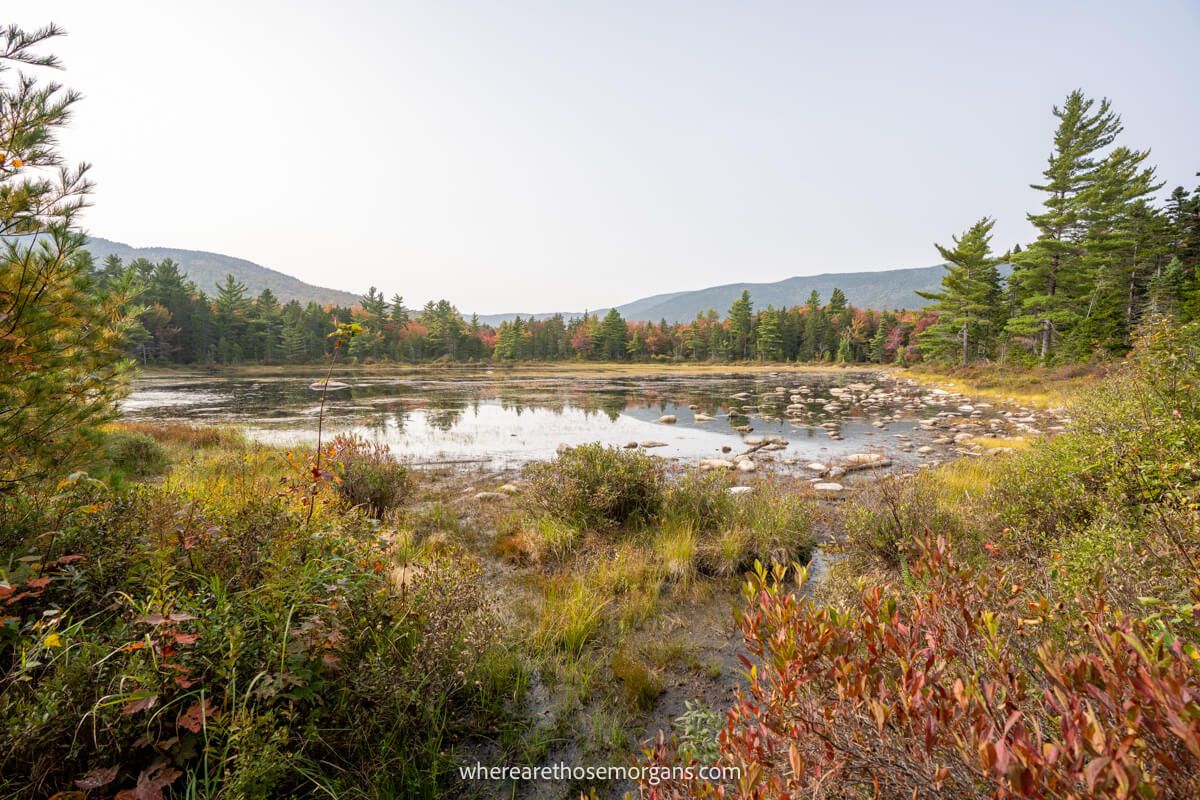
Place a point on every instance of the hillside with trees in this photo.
(208, 270)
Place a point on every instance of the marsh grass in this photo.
(572, 616)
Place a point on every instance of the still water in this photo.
(509, 419)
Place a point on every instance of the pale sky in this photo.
(520, 156)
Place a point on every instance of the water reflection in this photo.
(474, 415)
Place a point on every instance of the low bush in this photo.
(593, 486)
(700, 499)
(133, 455)
(940, 691)
(885, 523)
(770, 524)
(369, 476)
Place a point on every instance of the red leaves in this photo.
(101, 776)
(193, 719)
(141, 704)
(944, 689)
(151, 782)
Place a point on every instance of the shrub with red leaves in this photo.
(971, 686)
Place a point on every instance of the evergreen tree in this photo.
(612, 336)
(232, 308)
(62, 358)
(398, 312)
(770, 337)
(1048, 276)
(969, 301)
(740, 324)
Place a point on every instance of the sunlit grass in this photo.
(993, 443)
(571, 617)
(1040, 389)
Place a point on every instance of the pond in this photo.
(508, 418)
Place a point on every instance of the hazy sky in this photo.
(516, 156)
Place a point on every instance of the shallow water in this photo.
(507, 420)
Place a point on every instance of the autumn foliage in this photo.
(955, 691)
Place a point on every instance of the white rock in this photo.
(652, 443)
(715, 463)
(737, 490)
(863, 458)
(667, 419)
(746, 465)
(828, 487)
(491, 496)
(817, 466)
(698, 417)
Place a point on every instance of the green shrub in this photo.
(371, 478)
(702, 499)
(884, 524)
(597, 486)
(771, 524)
(134, 455)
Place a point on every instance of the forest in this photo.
(1107, 255)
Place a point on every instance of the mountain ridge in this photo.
(878, 289)
(207, 269)
(887, 288)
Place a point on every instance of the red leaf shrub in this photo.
(970, 686)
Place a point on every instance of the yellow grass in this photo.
(1039, 389)
(1011, 442)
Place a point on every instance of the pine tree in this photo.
(399, 312)
(62, 357)
(740, 324)
(1048, 276)
(812, 337)
(968, 304)
(294, 344)
(770, 337)
(232, 308)
(612, 337)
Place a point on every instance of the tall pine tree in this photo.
(968, 305)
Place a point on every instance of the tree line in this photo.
(181, 324)
(1106, 255)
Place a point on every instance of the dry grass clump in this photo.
(182, 434)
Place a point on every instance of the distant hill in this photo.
(209, 269)
(893, 288)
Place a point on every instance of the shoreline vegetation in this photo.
(186, 613)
